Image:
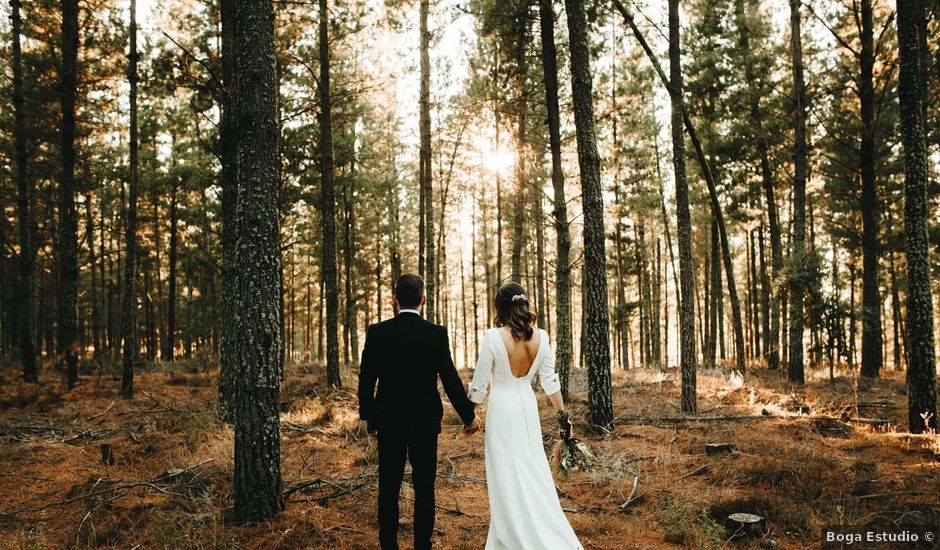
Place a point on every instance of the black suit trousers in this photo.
(421, 452)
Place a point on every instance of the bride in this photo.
(524, 508)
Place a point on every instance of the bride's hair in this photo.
(512, 310)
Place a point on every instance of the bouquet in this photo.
(570, 453)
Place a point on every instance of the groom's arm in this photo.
(453, 385)
(368, 375)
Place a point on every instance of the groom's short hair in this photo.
(408, 290)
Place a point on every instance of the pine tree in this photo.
(129, 300)
(921, 370)
(596, 317)
(257, 479)
(328, 205)
(797, 240)
(560, 210)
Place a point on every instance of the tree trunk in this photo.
(349, 224)
(895, 315)
(756, 116)
(93, 268)
(425, 165)
(563, 333)
(521, 33)
(328, 205)
(921, 353)
(797, 244)
(712, 315)
(24, 199)
(67, 246)
(257, 479)
(764, 294)
(170, 341)
(129, 299)
(755, 303)
(871, 298)
(228, 360)
(597, 345)
(687, 275)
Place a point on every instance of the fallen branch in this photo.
(102, 413)
(632, 497)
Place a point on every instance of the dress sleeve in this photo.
(482, 373)
(548, 378)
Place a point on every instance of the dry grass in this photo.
(170, 484)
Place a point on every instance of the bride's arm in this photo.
(551, 385)
(481, 374)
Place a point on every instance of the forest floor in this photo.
(796, 462)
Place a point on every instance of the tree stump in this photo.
(743, 525)
(107, 454)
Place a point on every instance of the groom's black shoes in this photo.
(405, 356)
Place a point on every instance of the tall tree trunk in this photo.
(349, 224)
(257, 479)
(921, 353)
(871, 297)
(170, 341)
(228, 360)
(597, 345)
(756, 117)
(712, 316)
(764, 294)
(686, 273)
(895, 315)
(67, 245)
(24, 198)
(521, 32)
(563, 332)
(797, 241)
(656, 325)
(755, 302)
(93, 268)
(129, 299)
(425, 165)
(328, 205)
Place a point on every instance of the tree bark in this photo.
(24, 199)
(425, 164)
(129, 299)
(871, 297)
(797, 241)
(686, 273)
(257, 479)
(597, 344)
(67, 245)
(328, 205)
(228, 359)
(563, 332)
(921, 353)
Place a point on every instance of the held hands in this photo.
(473, 427)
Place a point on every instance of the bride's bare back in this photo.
(521, 353)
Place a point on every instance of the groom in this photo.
(405, 355)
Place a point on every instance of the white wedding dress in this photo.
(524, 510)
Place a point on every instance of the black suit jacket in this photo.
(405, 355)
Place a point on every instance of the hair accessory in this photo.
(520, 298)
